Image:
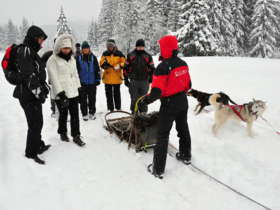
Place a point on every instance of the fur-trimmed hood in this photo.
(60, 40)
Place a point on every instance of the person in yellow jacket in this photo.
(112, 62)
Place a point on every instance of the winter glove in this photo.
(117, 67)
(97, 83)
(150, 79)
(142, 103)
(126, 82)
(64, 101)
(106, 65)
(41, 93)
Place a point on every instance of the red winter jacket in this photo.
(172, 74)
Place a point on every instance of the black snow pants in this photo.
(174, 108)
(74, 117)
(138, 88)
(88, 99)
(34, 117)
(113, 95)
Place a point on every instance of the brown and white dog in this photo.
(248, 113)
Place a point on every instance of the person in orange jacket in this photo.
(112, 62)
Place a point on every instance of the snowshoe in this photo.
(151, 171)
(64, 138)
(79, 141)
(183, 158)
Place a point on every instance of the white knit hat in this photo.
(66, 43)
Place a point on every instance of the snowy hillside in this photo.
(105, 175)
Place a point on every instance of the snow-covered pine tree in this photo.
(93, 35)
(155, 25)
(23, 29)
(134, 24)
(215, 16)
(249, 9)
(62, 24)
(2, 38)
(265, 26)
(239, 22)
(12, 33)
(121, 33)
(105, 21)
(196, 36)
(173, 16)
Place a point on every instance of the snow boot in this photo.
(186, 159)
(92, 117)
(79, 141)
(151, 171)
(85, 118)
(53, 115)
(44, 149)
(64, 137)
(36, 159)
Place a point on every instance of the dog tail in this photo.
(231, 101)
(213, 100)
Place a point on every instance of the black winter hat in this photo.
(77, 45)
(140, 43)
(36, 32)
(85, 45)
(111, 43)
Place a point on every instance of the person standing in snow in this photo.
(32, 90)
(171, 81)
(78, 50)
(63, 75)
(89, 72)
(112, 61)
(138, 73)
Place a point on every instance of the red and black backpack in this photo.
(9, 64)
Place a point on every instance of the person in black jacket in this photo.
(89, 72)
(78, 50)
(32, 90)
(138, 73)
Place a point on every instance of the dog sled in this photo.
(138, 130)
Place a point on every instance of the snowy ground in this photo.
(105, 175)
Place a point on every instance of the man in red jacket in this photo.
(171, 81)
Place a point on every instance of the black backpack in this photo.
(9, 65)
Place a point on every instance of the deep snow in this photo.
(105, 175)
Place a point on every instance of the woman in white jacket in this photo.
(63, 75)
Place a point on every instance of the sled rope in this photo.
(270, 125)
(225, 185)
(230, 188)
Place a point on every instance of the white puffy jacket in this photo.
(63, 75)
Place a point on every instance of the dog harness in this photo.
(235, 109)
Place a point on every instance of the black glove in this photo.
(44, 93)
(150, 79)
(126, 82)
(97, 83)
(142, 104)
(64, 101)
(106, 65)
